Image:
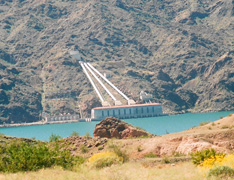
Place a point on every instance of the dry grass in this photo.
(127, 171)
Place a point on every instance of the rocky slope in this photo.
(114, 128)
(179, 51)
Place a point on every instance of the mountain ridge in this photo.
(181, 52)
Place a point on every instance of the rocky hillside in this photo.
(112, 127)
(180, 51)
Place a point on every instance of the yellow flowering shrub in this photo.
(104, 159)
(228, 161)
(212, 161)
(219, 160)
(200, 156)
(218, 165)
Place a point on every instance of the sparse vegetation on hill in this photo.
(161, 157)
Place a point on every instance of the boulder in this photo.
(114, 128)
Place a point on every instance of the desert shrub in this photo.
(165, 160)
(178, 154)
(203, 123)
(104, 159)
(117, 150)
(24, 156)
(87, 135)
(222, 172)
(54, 137)
(75, 133)
(228, 160)
(150, 155)
(84, 149)
(100, 147)
(213, 160)
(215, 165)
(139, 128)
(139, 148)
(225, 127)
(199, 156)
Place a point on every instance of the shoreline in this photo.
(75, 121)
(40, 123)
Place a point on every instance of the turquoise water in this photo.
(155, 125)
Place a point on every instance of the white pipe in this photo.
(100, 82)
(112, 85)
(91, 81)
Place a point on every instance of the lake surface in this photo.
(154, 125)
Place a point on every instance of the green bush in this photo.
(100, 147)
(139, 148)
(87, 135)
(84, 149)
(75, 133)
(104, 159)
(150, 155)
(116, 149)
(139, 128)
(165, 160)
(54, 138)
(178, 154)
(222, 172)
(199, 156)
(225, 127)
(24, 156)
(203, 123)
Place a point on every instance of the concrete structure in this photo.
(127, 111)
(62, 117)
(132, 110)
(91, 81)
(130, 101)
(145, 97)
(106, 75)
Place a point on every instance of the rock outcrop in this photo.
(114, 128)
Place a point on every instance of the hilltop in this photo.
(179, 51)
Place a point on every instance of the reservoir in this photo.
(155, 125)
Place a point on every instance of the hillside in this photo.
(217, 135)
(158, 157)
(179, 51)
